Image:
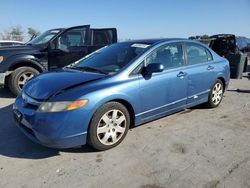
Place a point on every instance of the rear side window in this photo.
(102, 37)
(197, 54)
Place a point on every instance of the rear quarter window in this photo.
(197, 54)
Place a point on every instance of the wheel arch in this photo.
(122, 101)
(223, 81)
(129, 108)
(27, 63)
(24, 63)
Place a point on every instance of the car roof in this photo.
(155, 41)
(222, 36)
(59, 29)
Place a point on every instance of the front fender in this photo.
(101, 100)
(13, 61)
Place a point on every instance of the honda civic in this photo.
(98, 98)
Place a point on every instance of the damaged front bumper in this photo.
(2, 79)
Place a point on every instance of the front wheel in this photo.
(19, 77)
(108, 126)
(216, 94)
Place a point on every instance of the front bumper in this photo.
(2, 79)
(69, 142)
(54, 130)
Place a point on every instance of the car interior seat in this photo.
(64, 42)
(193, 56)
(164, 57)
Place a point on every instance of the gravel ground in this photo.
(198, 147)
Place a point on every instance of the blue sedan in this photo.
(96, 99)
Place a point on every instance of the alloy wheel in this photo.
(217, 93)
(26, 76)
(111, 127)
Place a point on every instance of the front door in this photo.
(164, 92)
(70, 46)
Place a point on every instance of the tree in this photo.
(204, 37)
(33, 33)
(6, 35)
(13, 33)
(17, 33)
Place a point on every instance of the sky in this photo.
(134, 19)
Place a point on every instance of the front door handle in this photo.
(210, 67)
(181, 74)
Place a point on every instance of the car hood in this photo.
(17, 48)
(50, 84)
(14, 50)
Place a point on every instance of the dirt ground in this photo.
(198, 147)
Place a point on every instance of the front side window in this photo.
(197, 54)
(170, 56)
(72, 38)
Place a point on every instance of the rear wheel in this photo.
(216, 94)
(109, 126)
(19, 77)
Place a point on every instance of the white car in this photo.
(10, 43)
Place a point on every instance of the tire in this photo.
(108, 126)
(245, 65)
(19, 77)
(216, 94)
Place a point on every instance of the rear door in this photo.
(102, 37)
(69, 46)
(201, 72)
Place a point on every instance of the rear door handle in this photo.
(210, 67)
(181, 74)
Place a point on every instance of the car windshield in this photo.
(44, 37)
(110, 59)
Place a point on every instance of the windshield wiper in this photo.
(89, 69)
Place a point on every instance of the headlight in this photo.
(61, 106)
(1, 59)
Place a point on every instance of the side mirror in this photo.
(152, 68)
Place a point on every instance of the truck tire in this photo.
(19, 77)
(245, 65)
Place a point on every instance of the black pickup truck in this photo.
(51, 50)
(235, 49)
